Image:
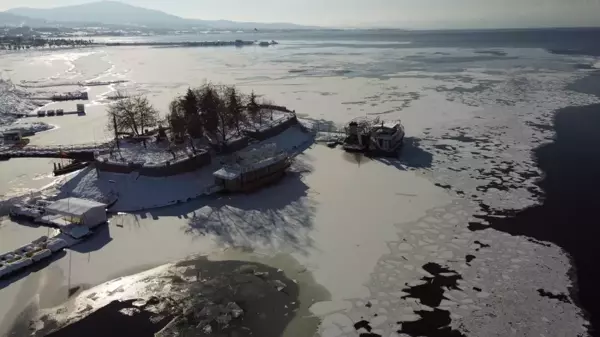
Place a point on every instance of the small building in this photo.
(75, 211)
(12, 137)
(81, 109)
(253, 169)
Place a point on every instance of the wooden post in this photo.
(116, 132)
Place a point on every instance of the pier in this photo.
(78, 152)
(68, 96)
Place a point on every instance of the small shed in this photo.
(12, 136)
(79, 211)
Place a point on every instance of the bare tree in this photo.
(146, 114)
(132, 114)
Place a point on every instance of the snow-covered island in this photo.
(156, 163)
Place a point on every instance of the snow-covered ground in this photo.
(137, 192)
(151, 154)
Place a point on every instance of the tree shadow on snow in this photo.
(410, 156)
(279, 215)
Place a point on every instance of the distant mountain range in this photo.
(9, 19)
(118, 13)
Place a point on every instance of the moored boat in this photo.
(374, 136)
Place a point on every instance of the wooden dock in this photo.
(78, 152)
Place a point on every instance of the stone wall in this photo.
(235, 145)
(183, 166)
(106, 166)
(273, 131)
(168, 169)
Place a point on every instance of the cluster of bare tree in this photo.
(217, 112)
(132, 115)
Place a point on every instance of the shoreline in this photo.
(566, 215)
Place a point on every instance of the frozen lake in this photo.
(364, 228)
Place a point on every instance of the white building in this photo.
(75, 211)
(366, 135)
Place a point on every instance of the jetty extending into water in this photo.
(79, 152)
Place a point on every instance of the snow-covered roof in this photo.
(251, 160)
(73, 206)
(227, 173)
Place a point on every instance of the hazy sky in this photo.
(398, 13)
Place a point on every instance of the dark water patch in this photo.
(434, 323)
(569, 215)
(462, 90)
(481, 245)
(444, 186)
(431, 293)
(584, 66)
(363, 325)
(477, 226)
(491, 52)
(587, 85)
(469, 258)
(459, 59)
(444, 147)
(341, 72)
(578, 52)
(560, 297)
(542, 127)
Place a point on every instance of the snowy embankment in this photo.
(15, 102)
(137, 192)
